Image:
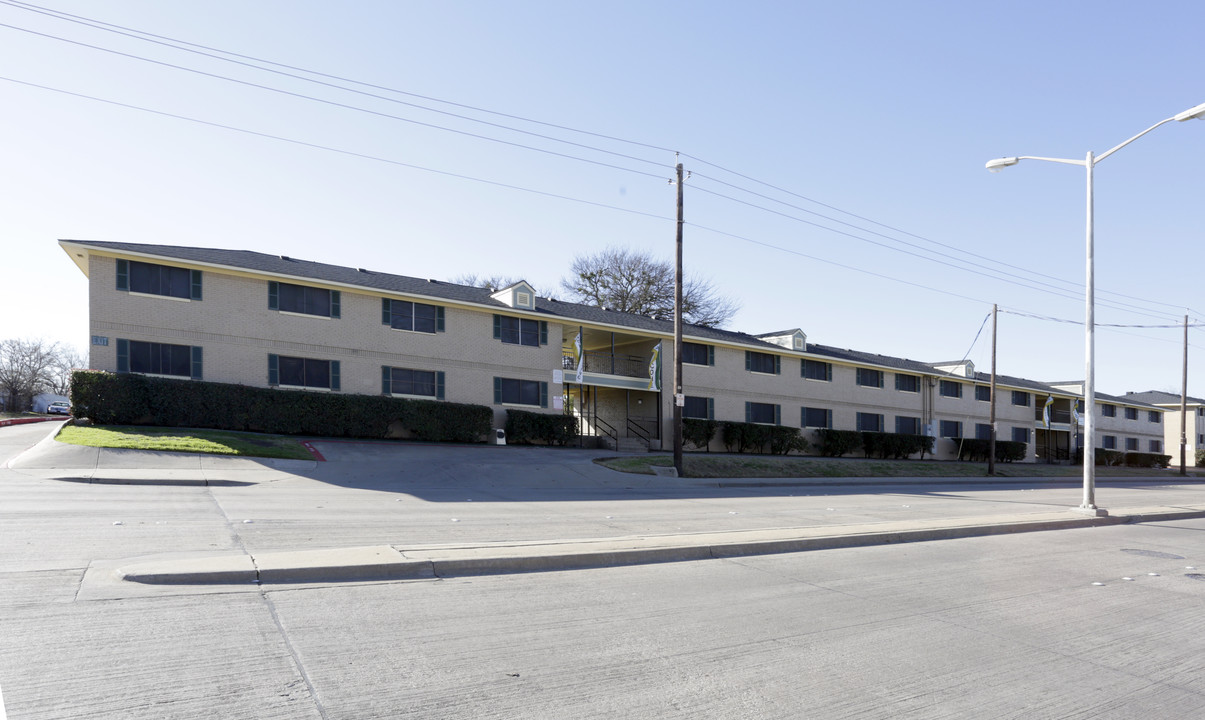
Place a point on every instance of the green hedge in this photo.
(128, 399)
(525, 428)
(976, 450)
(752, 437)
(835, 443)
(698, 432)
(898, 446)
(1114, 458)
(1147, 460)
(1201, 457)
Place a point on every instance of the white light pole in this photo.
(1088, 506)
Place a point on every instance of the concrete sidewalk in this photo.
(397, 562)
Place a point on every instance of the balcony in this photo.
(602, 363)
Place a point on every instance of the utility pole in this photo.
(678, 396)
(1184, 402)
(991, 451)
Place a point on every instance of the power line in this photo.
(340, 151)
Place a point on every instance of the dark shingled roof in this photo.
(1156, 397)
(401, 284)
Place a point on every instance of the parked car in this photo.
(59, 408)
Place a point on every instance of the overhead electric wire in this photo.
(177, 45)
(332, 102)
(98, 23)
(328, 148)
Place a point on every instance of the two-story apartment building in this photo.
(1194, 422)
(236, 316)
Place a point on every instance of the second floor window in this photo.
(983, 393)
(870, 378)
(698, 354)
(151, 279)
(816, 370)
(303, 299)
(412, 316)
(907, 383)
(1020, 398)
(1108, 410)
(520, 331)
(762, 362)
(949, 388)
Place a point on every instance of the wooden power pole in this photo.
(678, 396)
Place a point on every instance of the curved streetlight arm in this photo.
(1109, 152)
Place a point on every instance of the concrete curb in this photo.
(25, 421)
(390, 562)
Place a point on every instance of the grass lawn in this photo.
(772, 466)
(215, 442)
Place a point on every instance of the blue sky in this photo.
(862, 127)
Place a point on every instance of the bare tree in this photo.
(26, 369)
(67, 359)
(493, 283)
(636, 282)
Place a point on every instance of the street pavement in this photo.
(1088, 622)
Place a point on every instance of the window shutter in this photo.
(497, 386)
(778, 415)
(123, 355)
(386, 379)
(497, 327)
(543, 332)
(334, 374)
(748, 366)
(711, 408)
(123, 274)
(803, 417)
(748, 412)
(386, 311)
(273, 368)
(195, 289)
(828, 418)
(273, 295)
(711, 354)
(439, 385)
(336, 302)
(439, 318)
(543, 394)
(777, 365)
(197, 363)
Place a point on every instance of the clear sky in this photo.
(836, 153)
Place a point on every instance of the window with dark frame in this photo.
(412, 316)
(520, 331)
(870, 378)
(152, 279)
(1108, 410)
(698, 353)
(869, 422)
(420, 383)
(907, 383)
(700, 408)
(1154, 416)
(983, 393)
(949, 388)
(1020, 398)
(1108, 442)
(762, 413)
(310, 373)
(1020, 434)
(1131, 413)
(1155, 446)
(816, 370)
(512, 391)
(951, 428)
(151, 358)
(907, 425)
(759, 362)
(816, 417)
(303, 299)
(1131, 444)
(983, 431)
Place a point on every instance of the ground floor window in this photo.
(1108, 442)
(511, 391)
(702, 408)
(870, 422)
(1021, 434)
(907, 425)
(308, 373)
(152, 358)
(762, 413)
(420, 383)
(816, 417)
(983, 431)
(1156, 446)
(951, 428)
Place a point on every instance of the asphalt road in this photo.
(1007, 626)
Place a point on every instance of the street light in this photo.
(1088, 506)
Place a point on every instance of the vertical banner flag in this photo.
(1046, 411)
(1075, 412)
(655, 369)
(581, 359)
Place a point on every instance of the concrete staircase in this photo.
(631, 445)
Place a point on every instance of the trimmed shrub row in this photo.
(698, 432)
(526, 428)
(752, 437)
(835, 443)
(127, 399)
(896, 445)
(1114, 458)
(977, 450)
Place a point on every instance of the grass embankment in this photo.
(768, 466)
(214, 442)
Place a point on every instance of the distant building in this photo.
(1194, 425)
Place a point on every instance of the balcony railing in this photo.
(608, 364)
(1056, 416)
